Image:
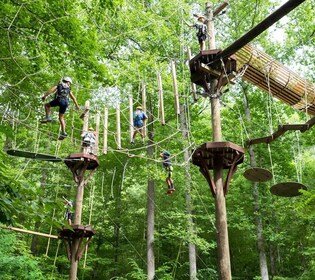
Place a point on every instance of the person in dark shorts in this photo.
(201, 30)
(69, 210)
(61, 100)
(169, 169)
(139, 119)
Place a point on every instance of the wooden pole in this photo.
(118, 131)
(97, 132)
(177, 110)
(220, 205)
(193, 85)
(161, 100)
(29, 232)
(130, 117)
(105, 130)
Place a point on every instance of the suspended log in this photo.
(118, 130)
(161, 100)
(105, 130)
(175, 88)
(97, 131)
(144, 104)
(270, 75)
(130, 117)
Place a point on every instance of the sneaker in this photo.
(64, 134)
(48, 119)
(132, 142)
(142, 141)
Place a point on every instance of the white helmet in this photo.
(67, 79)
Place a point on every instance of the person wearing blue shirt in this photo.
(139, 118)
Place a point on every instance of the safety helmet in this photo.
(139, 108)
(67, 79)
(91, 129)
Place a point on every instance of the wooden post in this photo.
(85, 122)
(105, 130)
(177, 110)
(131, 117)
(97, 132)
(193, 85)
(220, 206)
(161, 100)
(144, 104)
(118, 132)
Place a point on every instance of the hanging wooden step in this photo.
(214, 154)
(257, 174)
(287, 189)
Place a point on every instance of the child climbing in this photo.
(63, 91)
(139, 118)
(201, 30)
(88, 141)
(169, 169)
(69, 210)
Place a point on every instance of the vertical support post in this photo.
(161, 100)
(193, 85)
(97, 132)
(144, 104)
(105, 130)
(85, 121)
(220, 205)
(130, 117)
(177, 110)
(118, 131)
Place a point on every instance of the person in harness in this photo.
(88, 141)
(201, 30)
(139, 118)
(63, 91)
(167, 165)
(69, 210)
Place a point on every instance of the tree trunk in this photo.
(150, 206)
(191, 225)
(258, 221)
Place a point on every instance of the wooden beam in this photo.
(29, 232)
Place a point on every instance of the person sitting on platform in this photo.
(201, 30)
(139, 118)
(88, 141)
(169, 169)
(69, 210)
(63, 91)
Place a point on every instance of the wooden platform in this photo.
(78, 231)
(212, 152)
(31, 155)
(202, 70)
(213, 155)
(287, 189)
(76, 159)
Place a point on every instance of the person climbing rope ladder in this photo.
(69, 210)
(139, 118)
(63, 91)
(169, 169)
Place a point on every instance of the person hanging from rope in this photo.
(169, 169)
(88, 141)
(139, 118)
(69, 210)
(63, 91)
(201, 30)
